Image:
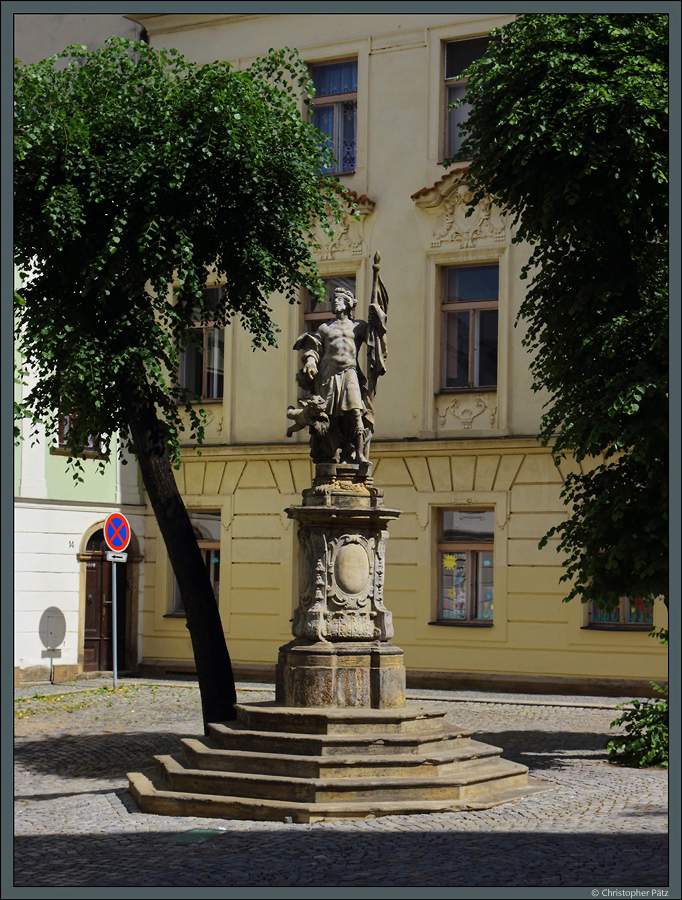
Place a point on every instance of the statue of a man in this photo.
(340, 413)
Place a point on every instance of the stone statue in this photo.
(340, 411)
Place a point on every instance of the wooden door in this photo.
(98, 643)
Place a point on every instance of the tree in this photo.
(568, 131)
(136, 169)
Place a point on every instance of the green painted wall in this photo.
(95, 488)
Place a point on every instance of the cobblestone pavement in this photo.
(76, 824)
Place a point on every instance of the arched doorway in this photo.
(98, 654)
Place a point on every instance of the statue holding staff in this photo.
(340, 411)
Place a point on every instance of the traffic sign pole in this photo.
(114, 622)
(117, 538)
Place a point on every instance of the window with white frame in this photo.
(206, 525)
(64, 425)
(631, 613)
(201, 362)
(458, 55)
(316, 313)
(469, 326)
(465, 566)
(334, 110)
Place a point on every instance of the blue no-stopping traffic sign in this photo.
(116, 532)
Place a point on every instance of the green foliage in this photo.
(645, 741)
(661, 635)
(568, 131)
(134, 169)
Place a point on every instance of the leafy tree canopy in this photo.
(569, 132)
(135, 168)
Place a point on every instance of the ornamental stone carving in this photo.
(448, 200)
(341, 584)
(339, 408)
(467, 411)
(347, 239)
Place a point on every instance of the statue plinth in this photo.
(342, 675)
(341, 655)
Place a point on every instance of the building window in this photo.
(206, 525)
(465, 565)
(316, 313)
(470, 301)
(92, 446)
(334, 110)
(458, 55)
(201, 362)
(632, 613)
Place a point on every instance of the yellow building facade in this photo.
(474, 601)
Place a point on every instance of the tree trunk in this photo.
(214, 670)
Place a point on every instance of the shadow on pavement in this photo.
(283, 855)
(86, 755)
(95, 755)
(547, 749)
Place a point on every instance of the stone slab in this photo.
(204, 754)
(151, 796)
(267, 716)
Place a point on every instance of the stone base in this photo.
(306, 765)
(31, 675)
(345, 674)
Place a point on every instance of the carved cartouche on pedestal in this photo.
(342, 539)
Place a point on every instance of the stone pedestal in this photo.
(341, 656)
(348, 674)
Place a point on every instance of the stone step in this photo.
(477, 781)
(305, 765)
(204, 755)
(438, 739)
(270, 716)
(153, 796)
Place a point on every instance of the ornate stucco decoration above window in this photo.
(214, 422)
(467, 412)
(348, 233)
(448, 200)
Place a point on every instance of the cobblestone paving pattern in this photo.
(76, 824)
